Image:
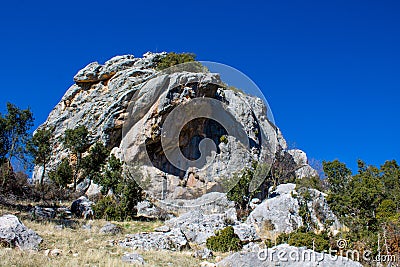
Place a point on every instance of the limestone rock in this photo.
(110, 229)
(174, 240)
(303, 170)
(280, 212)
(202, 254)
(196, 226)
(246, 233)
(133, 258)
(128, 91)
(43, 213)
(285, 255)
(15, 234)
(148, 210)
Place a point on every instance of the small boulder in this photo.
(202, 254)
(110, 229)
(133, 258)
(148, 210)
(43, 213)
(15, 234)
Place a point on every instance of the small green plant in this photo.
(223, 139)
(224, 240)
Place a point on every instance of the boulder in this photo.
(148, 210)
(246, 232)
(133, 258)
(43, 213)
(285, 255)
(196, 226)
(15, 234)
(110, 229)
(82, 208)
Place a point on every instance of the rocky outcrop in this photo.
(301, 160)
(15, 234)
(285, 255)
(124, 103)
(280, 212)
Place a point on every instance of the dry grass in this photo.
(80, 247)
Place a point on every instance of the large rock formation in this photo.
(124, 104)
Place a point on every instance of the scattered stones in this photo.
(110, 229)
(173, 240)
(15, 234)
(133, 258)
(82, 208)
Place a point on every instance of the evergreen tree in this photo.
(14, 135)
(93, 163)
(77, 141)
(39, 147)
(62, 176)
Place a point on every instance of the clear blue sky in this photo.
(329, 69)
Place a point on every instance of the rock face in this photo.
(280, 212)
(15, 234)
(285, 255)
(124, 103)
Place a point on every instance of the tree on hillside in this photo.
(14, 129)
(77, 141)
(39, 147)
(126, 191)
(93, 163)
(62, 175)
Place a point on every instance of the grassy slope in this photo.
(86, 247)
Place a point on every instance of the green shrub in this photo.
(108, 208)
(223, 139)
(172, 59)
(320, 242)
(224, 240)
